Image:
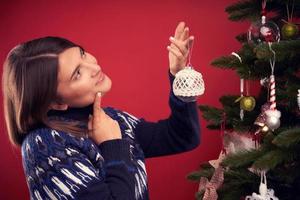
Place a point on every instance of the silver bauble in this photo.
(273, 119)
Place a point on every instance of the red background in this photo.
(129, 39)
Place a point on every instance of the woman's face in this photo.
(80, 78)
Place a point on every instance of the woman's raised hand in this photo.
(101, 126)
(179, 48)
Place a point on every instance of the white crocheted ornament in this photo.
(188, 84)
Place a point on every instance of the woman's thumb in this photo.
(97, 102)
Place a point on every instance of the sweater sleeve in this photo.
(66, 170)
(118, 183)
(180, 132)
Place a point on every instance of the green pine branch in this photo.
(251, 9)
(255, 59)
(212, 115)
(237, 183)
(206, 170)
(238, 160)
(226, 62)
(288, 138)
(244, 10)
(242, 38)
(270, 159)
(279, 150)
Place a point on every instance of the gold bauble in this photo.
(247, 103)
(289, 30)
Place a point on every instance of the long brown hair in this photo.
(29, 85)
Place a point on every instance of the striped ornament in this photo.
(272, 93)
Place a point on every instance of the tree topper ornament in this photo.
(188, 83)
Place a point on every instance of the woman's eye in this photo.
(77, 74)
(82, 52)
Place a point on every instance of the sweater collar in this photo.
(73, 113)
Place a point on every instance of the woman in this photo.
(72, 148)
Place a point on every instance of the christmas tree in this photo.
(261, 134)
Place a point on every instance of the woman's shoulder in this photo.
(45, 140)
(53, 159)
(47, 135)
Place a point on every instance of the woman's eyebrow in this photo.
(73, 73)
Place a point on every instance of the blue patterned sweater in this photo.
(60, 166)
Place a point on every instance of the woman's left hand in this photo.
(179, 48)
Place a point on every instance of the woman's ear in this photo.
(58, 106)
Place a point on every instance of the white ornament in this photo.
(188, 84)
(264, 192)
(273, 118)
(298, 99)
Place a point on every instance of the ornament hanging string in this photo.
(290, 14)
(248, 84)
(272, 60)
(190, 49)
(242, 87)
(263, 4)
(263, 7)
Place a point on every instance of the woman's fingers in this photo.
(179, 30)
(181, 33)
(175, 51)
(179, 44)
(97, 110)
(185, 34)
(101, 127)
(183, 46)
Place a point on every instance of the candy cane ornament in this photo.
(273, 115)
(272, 92)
